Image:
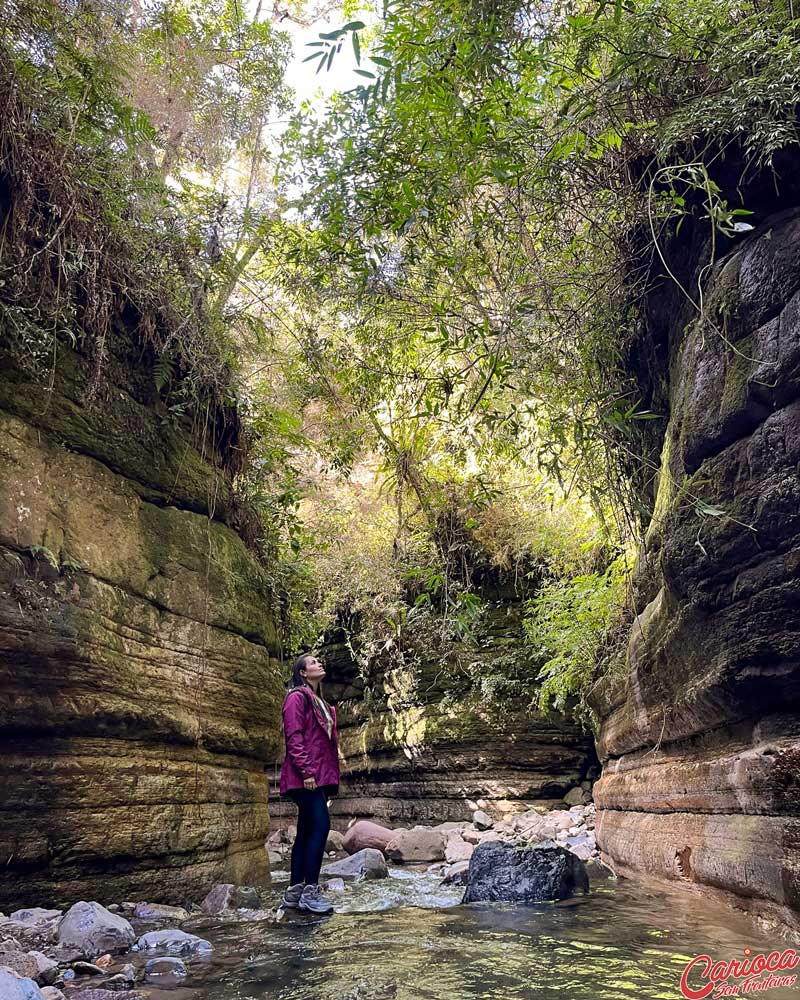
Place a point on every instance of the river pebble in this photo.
(160, 911)
(165, 971)
(87, 969)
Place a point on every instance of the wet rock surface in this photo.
(104, 994)
(456, 873)
(700, 733)
(428, 941)
(523, 874)
(367, 863)
(14, 987)
(160, 911)
(226, 897)
(174, 942)
(91, 947)
(166, 971)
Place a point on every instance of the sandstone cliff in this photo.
(138, 674)
(700, 736)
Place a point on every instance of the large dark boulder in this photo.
(530, 874)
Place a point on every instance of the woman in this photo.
(309, 776)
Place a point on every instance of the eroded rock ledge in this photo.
(700, 738)
(139, 684)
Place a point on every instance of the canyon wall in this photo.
(422, 745)
(700, 735)
(139, 682)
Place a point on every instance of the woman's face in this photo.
(313, 670)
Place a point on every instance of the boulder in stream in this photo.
(368, 863)
(419, 844)
(501, 872)
(91, 929)
(367, 834)
(174, 942)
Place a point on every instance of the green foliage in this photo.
(204, 73)
(107, 120)
(568, 622)
(42, 552)
(462, 275)
(467, 215)
(424, 306)
(88, 233)
(103, 115)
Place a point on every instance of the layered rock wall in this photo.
(139, 691)
(700, 738)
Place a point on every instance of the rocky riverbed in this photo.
(406, 937)
(413, 919)
(129, 950)
(93, 952)
(451, 844)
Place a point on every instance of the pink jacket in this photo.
(310, 752)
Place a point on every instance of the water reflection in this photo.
(406, 938)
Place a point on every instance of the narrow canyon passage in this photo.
(449, 351)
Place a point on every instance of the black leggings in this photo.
(313, 826)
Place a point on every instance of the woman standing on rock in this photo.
(309, 776)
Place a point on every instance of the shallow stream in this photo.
(407, 937)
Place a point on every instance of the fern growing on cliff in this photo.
(567, 623)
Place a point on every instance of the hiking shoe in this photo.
(312, 900)
(291, 897)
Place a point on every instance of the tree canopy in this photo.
(421, 293)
